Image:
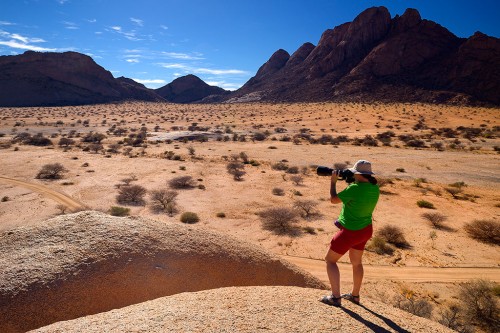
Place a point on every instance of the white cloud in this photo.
(178, 66)
(6, 23)
(70, 25)
(164, 27)
(133, 61)
(19, 37)
(92, 21)
(62, 2)
(137, 21)
(154, 81)
(220, 71)
(224, 84)
(17, 41)
(16, 45)
(23, 39)
(131, 35)
(201, 70)
(183, 56)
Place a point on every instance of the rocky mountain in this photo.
(69, 78)
(379, 58)
(375, 57)
(188, 89)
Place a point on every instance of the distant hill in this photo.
(379, 58)
(188, 89)
(69, 78)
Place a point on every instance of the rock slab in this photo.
(89, 262)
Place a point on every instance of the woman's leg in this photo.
(333, 271)
(357, 270)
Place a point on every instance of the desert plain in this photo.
(444, 155)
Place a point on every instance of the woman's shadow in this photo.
(374, 327)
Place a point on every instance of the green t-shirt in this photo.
(358, 202)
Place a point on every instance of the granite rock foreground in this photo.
(86, 263)
(249, 309)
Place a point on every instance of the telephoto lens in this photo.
(324, 171)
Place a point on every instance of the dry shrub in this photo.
(452, 316)
(279, 220)
(292, 170)
(51, 171)
(278, 191)
(163, 200)
(182, 182)
(454, 191)
(480, 304)
(306, 207)
(425, 204)
(436, 220)
(236, 169)
(297, 179)
(408, 302)
(379, 245)
(189, 217)
(486, 231)
(119, 211)
(132, 195)
(280, 166)
(394, 235)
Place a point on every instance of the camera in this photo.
(344, 174)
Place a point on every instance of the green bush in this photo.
(119, 211)
(425, 204)
(189, 217)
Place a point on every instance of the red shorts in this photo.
(346, 239)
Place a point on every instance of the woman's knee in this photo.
(332, 257)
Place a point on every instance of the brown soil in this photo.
(416, 174)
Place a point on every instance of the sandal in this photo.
(332, 300)
(351, 297)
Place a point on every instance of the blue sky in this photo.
(223, 42)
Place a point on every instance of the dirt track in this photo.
(403, 273)
(317, 267)
(63, 199)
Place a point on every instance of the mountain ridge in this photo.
(379, 58)
(188, 89)
(374, 58)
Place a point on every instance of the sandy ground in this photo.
(416, 174)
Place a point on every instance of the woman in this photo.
(355, 223)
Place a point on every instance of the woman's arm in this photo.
(333, 190)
